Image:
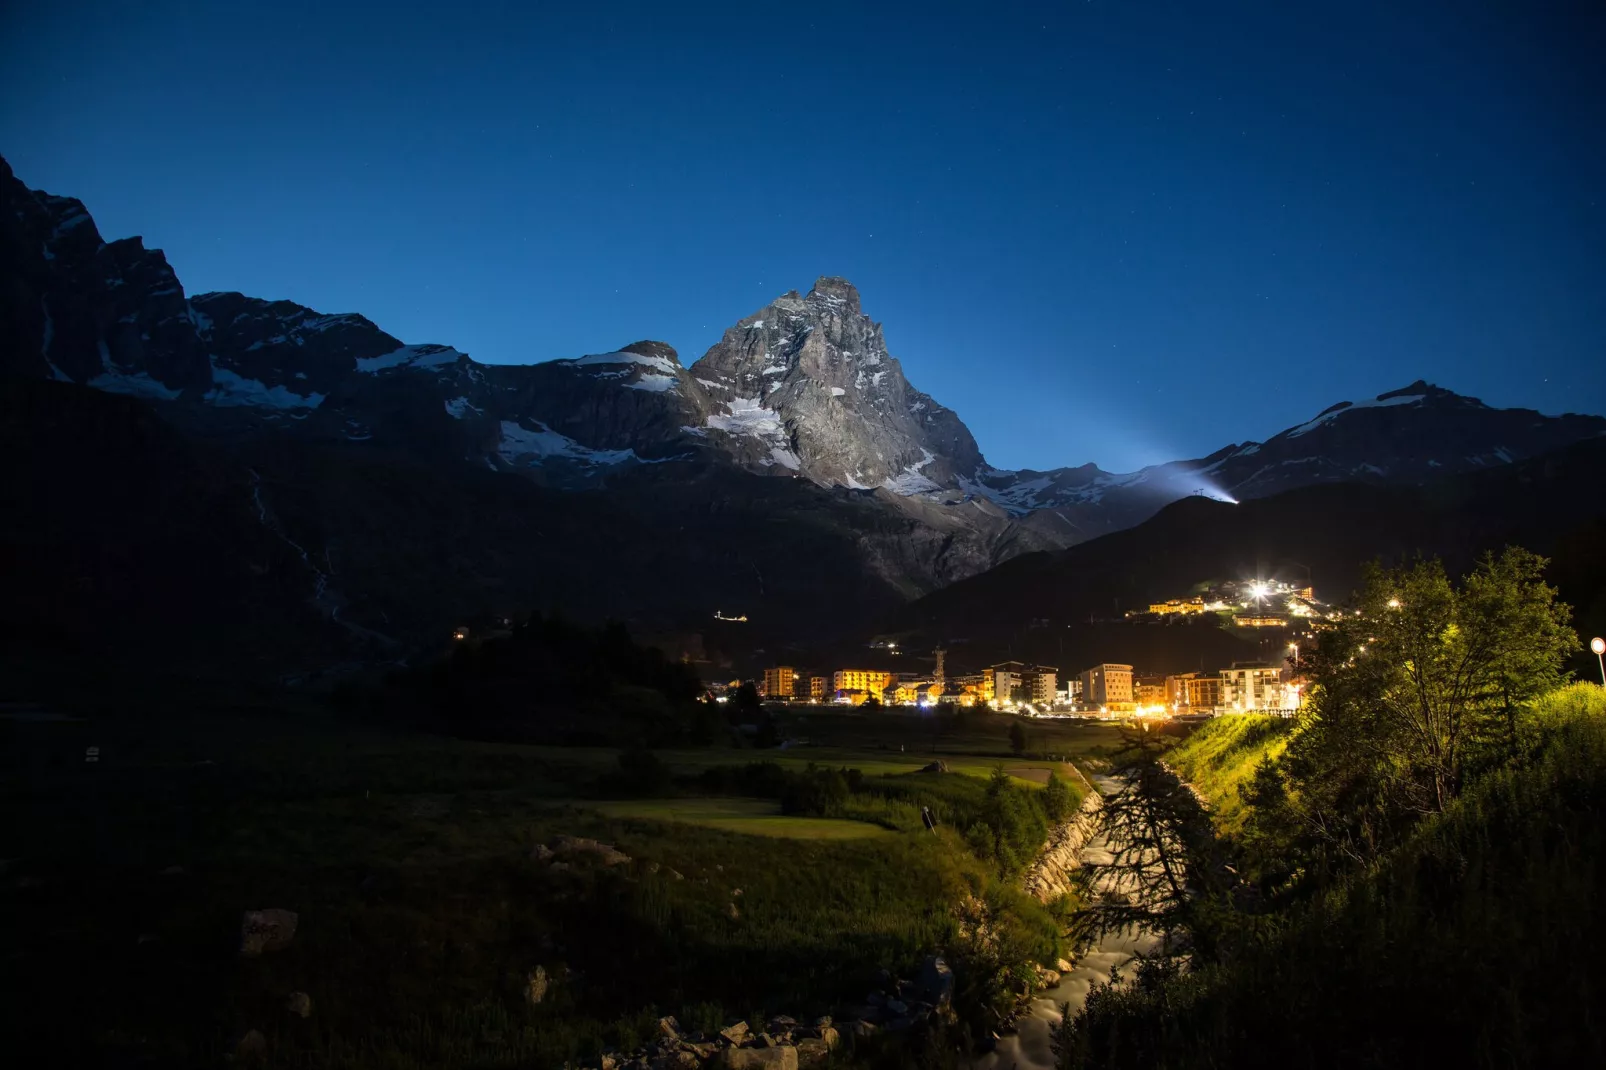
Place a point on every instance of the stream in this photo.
(1030, 1047)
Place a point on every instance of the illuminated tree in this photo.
(1421, 686)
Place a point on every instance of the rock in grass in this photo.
(575, 847)
(812, 1052)
(299, 1004)
(761, 1058)
(252, 1048)
(266, 930)
(937, 980)
(536, 985)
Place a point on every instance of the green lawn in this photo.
(754, 817)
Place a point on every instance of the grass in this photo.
(1220, 757)
(1477, 942)
(408, 858)
(752, 817)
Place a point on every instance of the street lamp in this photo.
(1598, 645)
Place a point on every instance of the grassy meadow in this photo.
(422, 912)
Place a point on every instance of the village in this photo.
(1112, 690)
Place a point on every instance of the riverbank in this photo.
(1076, 844)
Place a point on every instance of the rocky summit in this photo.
(809, 382)
(793, 470)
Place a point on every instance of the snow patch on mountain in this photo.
(1350, 406)
(458, 408)
(747, 416)
(230, 390)
(911, 480)
(784, 457)
(520, 445)
(659, 364)
(423, 356)
(138, 384)
(656, 384)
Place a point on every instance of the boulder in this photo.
(536, 985)
(735, 1033)
(576, 847)
(252, 1048)
(266, 930)
(937, 980)
(862, 1028)
(1062, 966)
(761, 1058)
(829, 1036)
(299, 1004)
(669, 1029)
(938, 766)
(541, 853)
(822, 1022)
(812, 1052)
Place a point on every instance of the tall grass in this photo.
(1478, 943)
(1220, 757)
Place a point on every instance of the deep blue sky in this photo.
(1117, 230)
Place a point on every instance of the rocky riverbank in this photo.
(1053, 874)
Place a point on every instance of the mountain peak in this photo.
(649, 348)
(834, 289)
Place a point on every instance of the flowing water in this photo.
(1030, 1046)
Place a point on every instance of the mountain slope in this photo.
(792, 472)
(1323, 534)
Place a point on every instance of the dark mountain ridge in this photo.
(1322, 535)
(792, 474)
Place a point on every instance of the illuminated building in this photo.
(970, 690)
(817, 686)
(1261, 622)
(1177, 605)
(1038, 683)
(778, 682)
(870, 681)
(1252, 686)
(901, 695)
(1193, 690)
(1107, 684)
(1006, 678)
(1149, 693)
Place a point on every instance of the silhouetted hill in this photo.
(1553, 504)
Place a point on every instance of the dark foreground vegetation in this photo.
(1413, 861)
(414, 861)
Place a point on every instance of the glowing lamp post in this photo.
(1598, 645)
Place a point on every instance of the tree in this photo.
(747, 702)
(1168, 873)
(1419, 687)
(1017, 738)
(1056, 798)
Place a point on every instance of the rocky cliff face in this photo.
(807, 383)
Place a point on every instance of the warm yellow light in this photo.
(1394, 603)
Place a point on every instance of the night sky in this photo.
(1122, 231)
